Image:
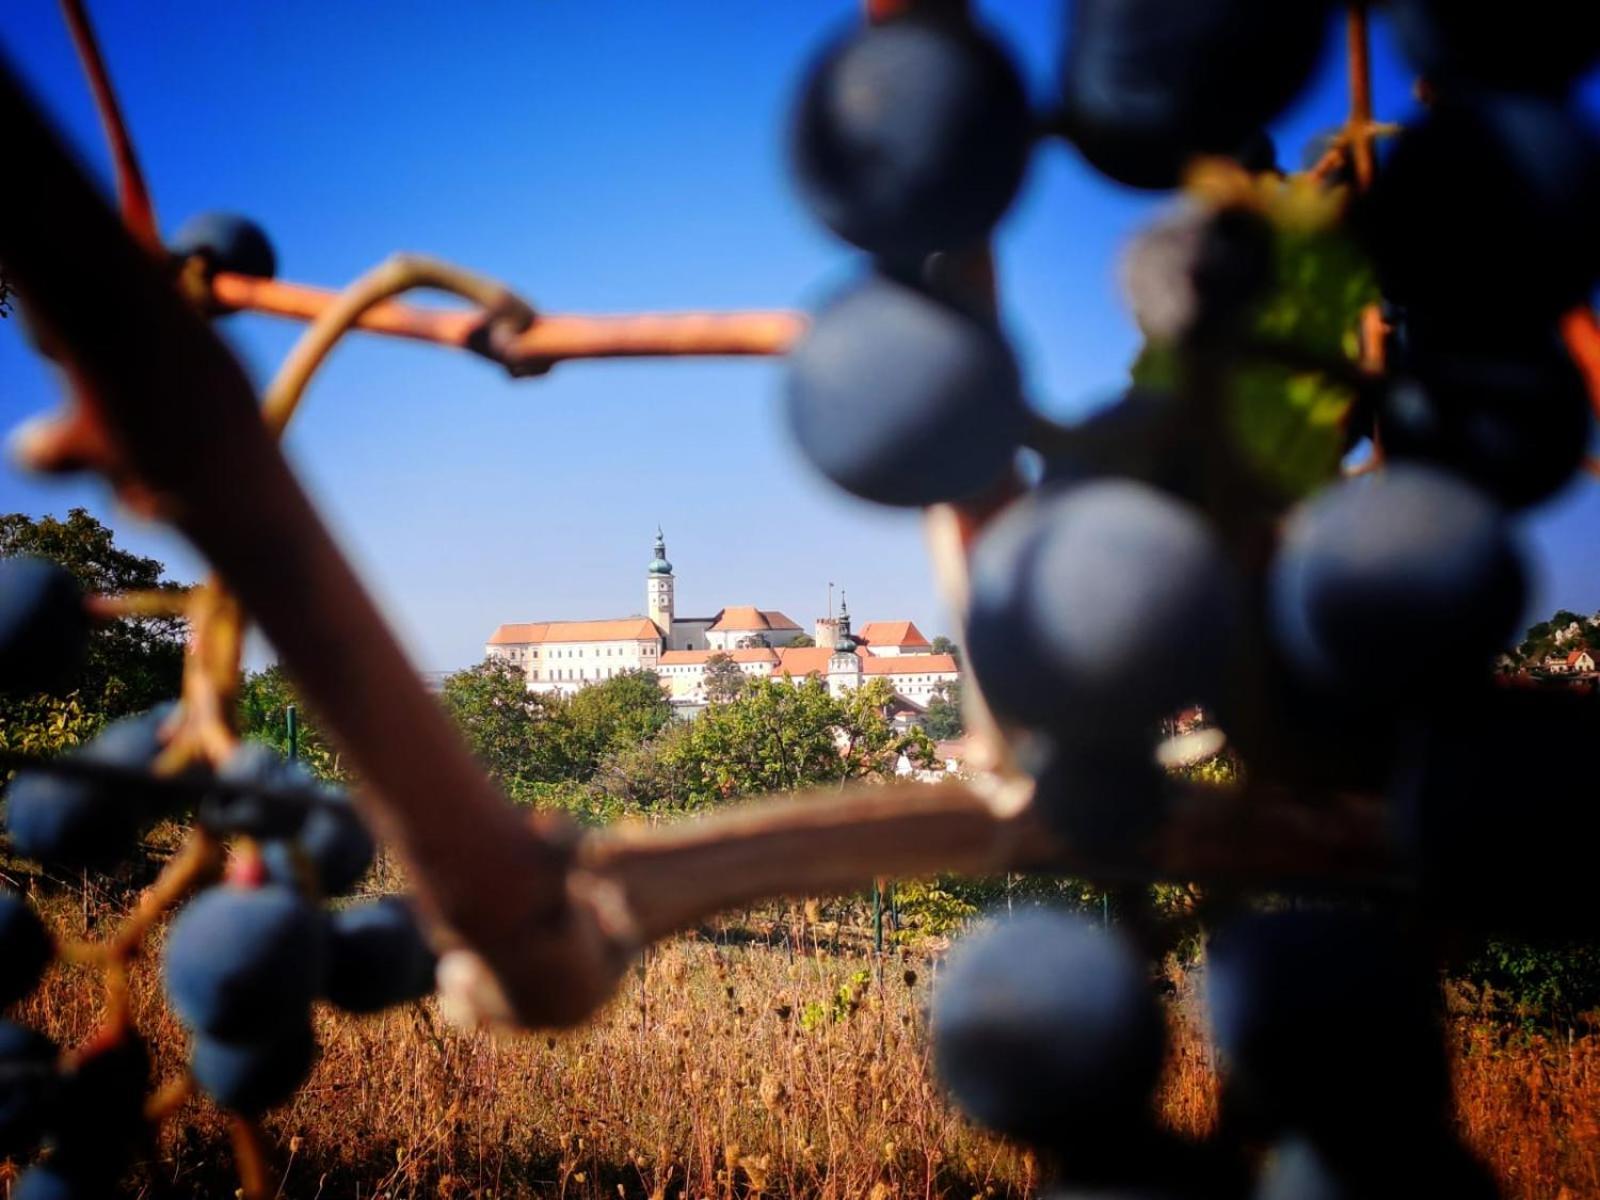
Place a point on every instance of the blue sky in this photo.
(605, 156)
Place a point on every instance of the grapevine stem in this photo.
(402, 273)
(1581, 331)
(553, 338)
(197, 861)
(250, 1157)
(149, 603)
(1359, 126)
(169, 1098)
(138, 213)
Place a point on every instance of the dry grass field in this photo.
(728, 1068)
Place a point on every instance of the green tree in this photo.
(805, 639)
(520, 737)
(132, 663)
(943, 719)
(723, 679)
(263, 706)
(943, 645)
(616, 713)
(777, 736)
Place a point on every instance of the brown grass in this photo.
(734, 1067)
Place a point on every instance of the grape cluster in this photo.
(244, 961)
(1342, 629)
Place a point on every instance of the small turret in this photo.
(659, 587)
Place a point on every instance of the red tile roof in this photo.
(909, 664)
(800, 661)
(748, 619)
(892, 633)
(684, 658)
(628, 629)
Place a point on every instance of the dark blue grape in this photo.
(1512, 419)
(1149, 84)
(911, 136)
(58, 1180)
(81, 821)
(43, 625)
(1296, 1169)
(1098, 609)
(333, 843)
(28, 1082)
(100, 1116)
(271, 796)
(229, 242)
(1489, 198)
(1450, 791)
(1325, 1022)
(1104, 796)
(1459, 43)
(1400, 583)
(377, 956)
(1045, 1028)
(245, 963)
(900, 398)
(251, 1077)
(26, 947)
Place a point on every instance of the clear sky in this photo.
(603, 156)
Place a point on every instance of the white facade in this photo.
(564, 656)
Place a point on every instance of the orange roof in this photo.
(1572, 659)
(910, 664)
(748, 619)
(892, 633)
(685, 658)
(800, 661)
(628, 629)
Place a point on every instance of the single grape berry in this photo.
(100, 1118)
(1399, 584)
(1139, 436)
(269, 797)
(43, 625)
(251, 1077)
(28, 1081)
(229, 243)
(1449, 791)
(1325, 1023)
(1488, 197)
(911, 136)
(25, 948)
(900, 398)
(333, 843)
(1296, 1169)
(1513, 420)
(377, 957)
(1103, 796)
(1148, 84)
(59, 1180)
(1099, 608)
(1464, 45)
(77, 820)
(1045, 1028)
(245, 963)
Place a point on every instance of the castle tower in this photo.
(844, 666)
(658, 587)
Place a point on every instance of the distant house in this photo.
(1575, 662)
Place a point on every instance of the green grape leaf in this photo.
(1289, 423)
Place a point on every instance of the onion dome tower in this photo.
(658, 587)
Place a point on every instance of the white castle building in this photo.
(563, 656)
